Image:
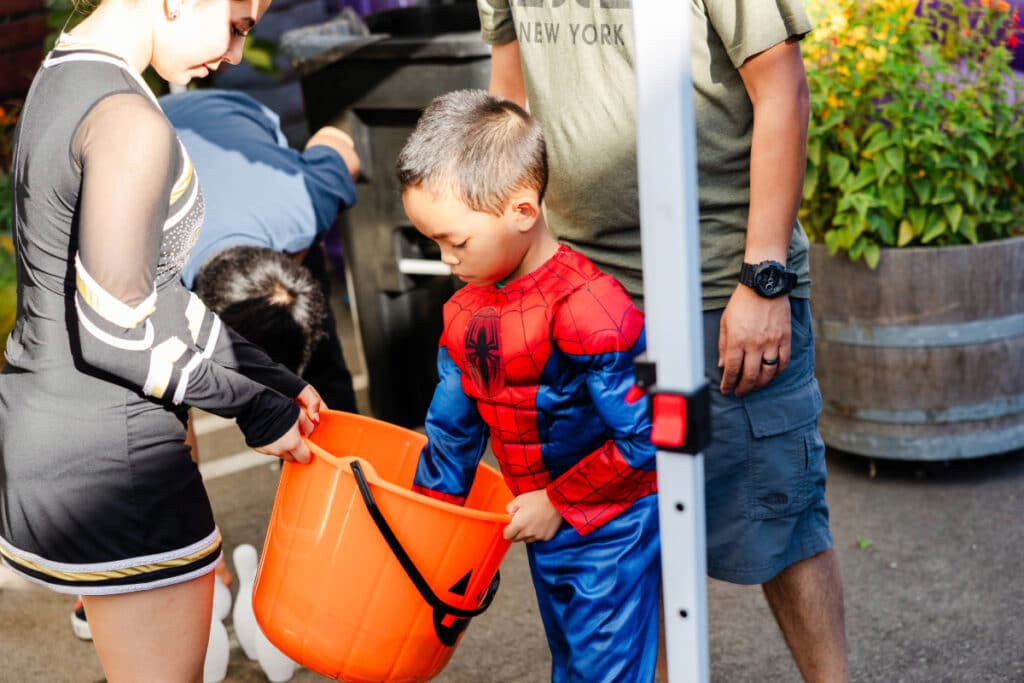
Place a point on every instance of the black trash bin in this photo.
(375, 86)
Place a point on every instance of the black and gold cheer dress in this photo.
(98, 493)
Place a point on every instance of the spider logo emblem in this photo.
(483, 350)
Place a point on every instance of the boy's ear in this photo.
(525, 210)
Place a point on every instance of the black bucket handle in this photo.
(448, 635)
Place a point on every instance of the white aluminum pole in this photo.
(666, 154)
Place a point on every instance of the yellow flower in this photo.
(875, 54)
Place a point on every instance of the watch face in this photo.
(768, 280)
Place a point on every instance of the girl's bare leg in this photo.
(154, 636)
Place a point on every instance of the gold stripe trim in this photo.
(114, 573)
(161, 366)
(183, 182)
(109, 308)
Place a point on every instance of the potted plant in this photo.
(913, 196)
(8, 285)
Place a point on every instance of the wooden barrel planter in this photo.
(922, 358)
(23, 32)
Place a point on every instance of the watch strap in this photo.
(748, 277)
(747, 272)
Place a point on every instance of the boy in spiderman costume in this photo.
(537, 354)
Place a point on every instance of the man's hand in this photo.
(342, 143)
(753, 330)
(534, 518)
(290, 447)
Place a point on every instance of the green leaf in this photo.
(882, 168)
(983, 144)
(879, 142)
(906, 233)
(882, 227)
(861, 203)
(922, 188)
(872, 252)
(895, 158)
(894, 197)
(863, 543)
(871, 130)
(954, 212)
(943, 193)
(865, 176)
(936, 229)
(810, 183)
(969, 229)
(857, 248)
(979, 173)
(838, 169)
(814, 150)
(848, 140)
(918, 219)
(832, 241)
(967, 187)
(845, 237)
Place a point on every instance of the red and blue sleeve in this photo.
(600, 329)
(456, 438)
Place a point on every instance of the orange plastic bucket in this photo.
(337, 595)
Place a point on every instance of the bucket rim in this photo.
(375, 480)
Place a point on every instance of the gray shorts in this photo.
(765, 466)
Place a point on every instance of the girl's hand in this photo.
(311, 403)
(290, 447)
(534, 518)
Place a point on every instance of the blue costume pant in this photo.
(599, 597)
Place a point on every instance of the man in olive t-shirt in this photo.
(765, 472)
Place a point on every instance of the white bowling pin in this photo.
(218, 652)
(242, 615)
(275, 664)
(221, 599)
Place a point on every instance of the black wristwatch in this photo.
(768, 278)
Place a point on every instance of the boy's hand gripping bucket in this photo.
(363, 580)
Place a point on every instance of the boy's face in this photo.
(481, 248)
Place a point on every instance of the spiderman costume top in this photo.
(542, 365)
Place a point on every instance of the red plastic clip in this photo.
(669, 421)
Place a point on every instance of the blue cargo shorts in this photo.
(765, 466)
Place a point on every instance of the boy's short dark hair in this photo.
(479, 147)
(268, 299)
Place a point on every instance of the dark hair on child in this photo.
(268, 299)
(480, 147)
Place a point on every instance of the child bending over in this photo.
(537, 353)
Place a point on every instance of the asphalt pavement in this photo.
(931, 556)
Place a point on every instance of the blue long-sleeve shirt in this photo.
(258, 191)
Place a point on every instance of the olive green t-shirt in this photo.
(577, 58)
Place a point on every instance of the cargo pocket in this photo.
(786, 457)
